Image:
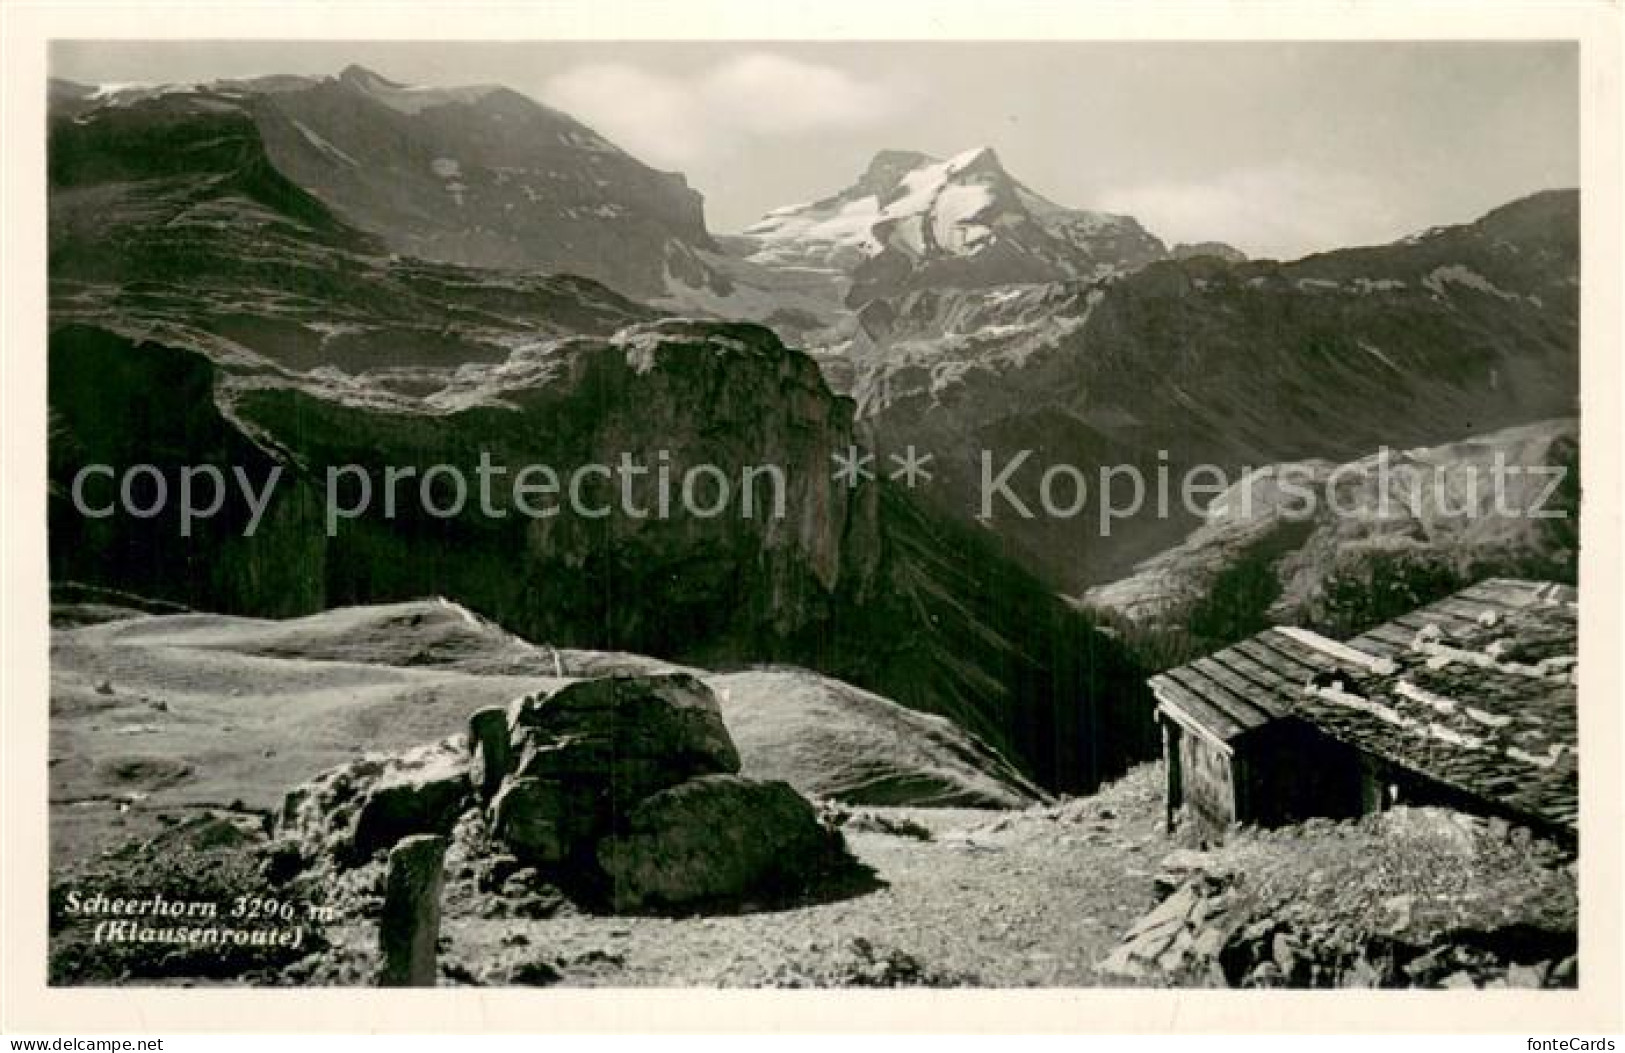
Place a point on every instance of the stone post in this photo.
(409, 928)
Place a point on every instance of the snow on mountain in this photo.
(946, 198)
(912, 221)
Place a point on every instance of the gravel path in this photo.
(1031, 898)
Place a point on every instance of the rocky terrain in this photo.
(1076, 893)
(962, 310)
(1385, 535)
(409, 372)
(169, 219)
(859, 583)
(1406, 898)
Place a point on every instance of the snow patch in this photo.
(937, 206)
(1456, 274)
(1377, 353)
(324, 146)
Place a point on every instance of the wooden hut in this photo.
(1469, 702)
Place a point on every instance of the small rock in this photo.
(494, 871)
(1426, 967)
(359, 808)
(1360, 974)
(1208, 943)
(1397, 913)
(1267, 974)
(1566, 973)
(104, 687)
(1287, 956)
(538, 973)
(1524, 976)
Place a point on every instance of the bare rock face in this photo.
(717, 838)
(368, 805)
(409, 928)
(860, 583)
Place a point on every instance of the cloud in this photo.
(678, 120)
(1284, 210)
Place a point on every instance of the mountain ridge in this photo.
(477, 176)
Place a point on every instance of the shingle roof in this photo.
(1475, 691)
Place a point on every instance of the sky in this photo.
(1279, 148)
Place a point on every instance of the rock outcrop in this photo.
(355, 810)
(1415, 897)
(478, 176)
(627, 737)
(1228, 365)
(210, 311)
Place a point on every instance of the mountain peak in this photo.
(980, 157)
(912, 212)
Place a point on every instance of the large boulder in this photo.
(358, 809)
(630, 736)
(621, 791)
(719, 840)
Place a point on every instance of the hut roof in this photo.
(1476, 691)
